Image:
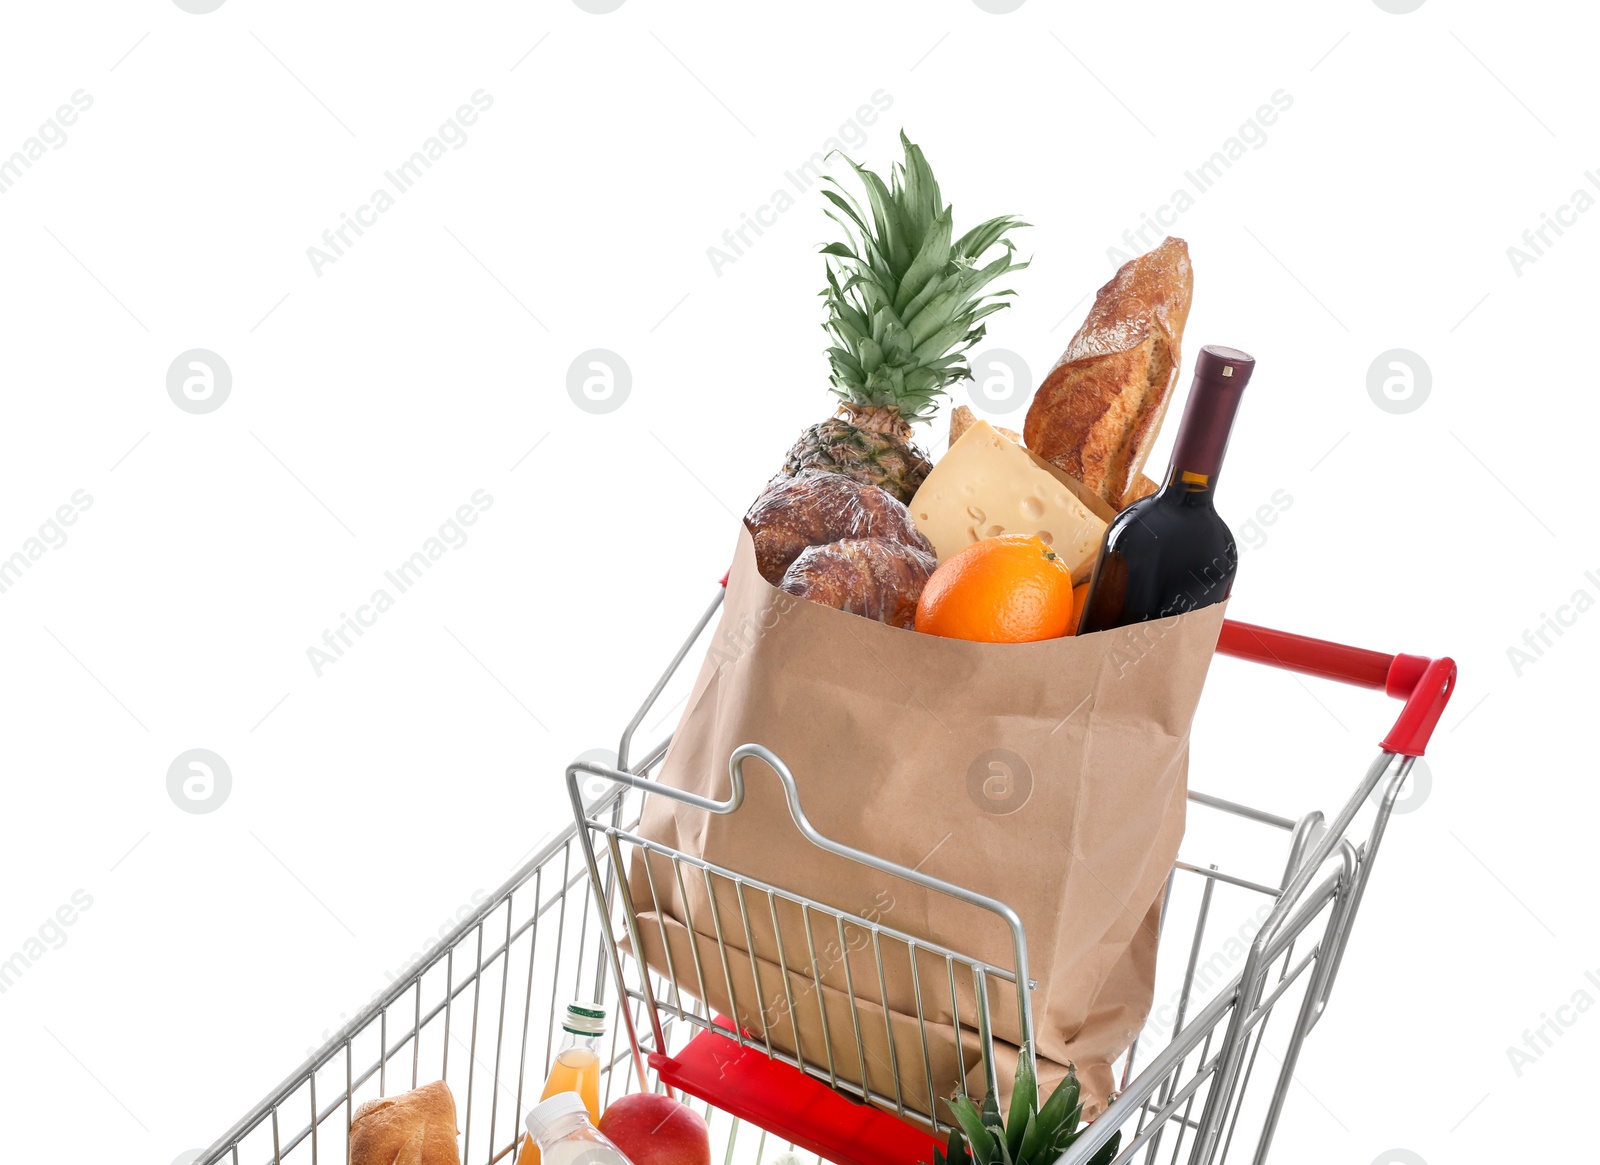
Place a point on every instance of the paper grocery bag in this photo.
(1050, 776)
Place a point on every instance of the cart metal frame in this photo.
(467, 1011)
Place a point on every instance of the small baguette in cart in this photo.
(414, 1128)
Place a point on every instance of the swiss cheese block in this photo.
(986, 485)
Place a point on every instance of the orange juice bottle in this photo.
(576, 1067)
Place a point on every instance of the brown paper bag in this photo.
(1050, 776)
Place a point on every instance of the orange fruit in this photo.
(1080, 595)
(1011, 589)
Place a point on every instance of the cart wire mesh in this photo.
(482, 1010)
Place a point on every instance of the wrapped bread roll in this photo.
(816, 507)
(872, 577)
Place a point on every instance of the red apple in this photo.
(652, 1129)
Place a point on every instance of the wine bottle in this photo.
(1171, 552)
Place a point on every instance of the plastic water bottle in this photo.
(576, 1067)
(560, 1127)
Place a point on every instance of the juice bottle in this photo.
(576, 1068)
(560, 1129)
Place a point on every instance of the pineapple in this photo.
(905, 300)
(1031, 1135)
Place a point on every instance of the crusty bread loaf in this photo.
(414, 1128)
(1099, 409)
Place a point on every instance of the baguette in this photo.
(1099, 409)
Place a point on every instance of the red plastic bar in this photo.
(778, 1097)
(1425, 685)
(1317, 657)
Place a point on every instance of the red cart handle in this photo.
(1425, 685)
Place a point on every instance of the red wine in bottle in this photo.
(1170, 552)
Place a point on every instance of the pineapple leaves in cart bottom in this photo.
(1030, 1134)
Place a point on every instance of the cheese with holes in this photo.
(986, 485)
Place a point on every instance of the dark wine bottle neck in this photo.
(1188, 488)
(1220, 376)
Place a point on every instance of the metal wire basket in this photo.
(469, 1013)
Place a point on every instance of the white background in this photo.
(372, 399)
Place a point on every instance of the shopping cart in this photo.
(567, 920)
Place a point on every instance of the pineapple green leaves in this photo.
(905, 298)
(1030, 1135)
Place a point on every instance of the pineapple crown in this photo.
(905, 298)
(1030, 1134)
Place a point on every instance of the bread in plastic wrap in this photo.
(816, 507)
(872, 577)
